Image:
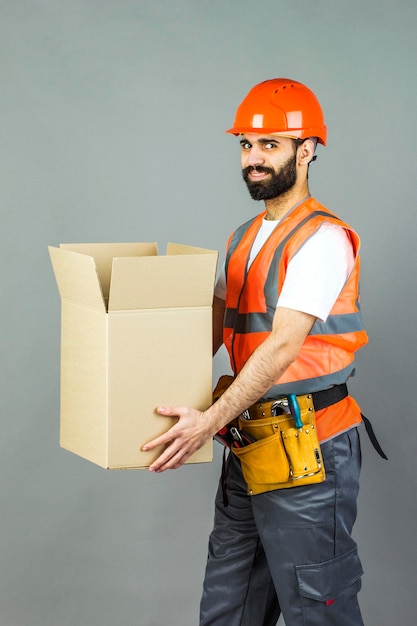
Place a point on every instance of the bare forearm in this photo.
(259, 374)
(263, 369)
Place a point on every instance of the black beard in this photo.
(279, 182)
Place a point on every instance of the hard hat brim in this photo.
(305, 133)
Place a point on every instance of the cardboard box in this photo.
(136, 333)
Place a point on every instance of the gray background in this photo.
(112, 120)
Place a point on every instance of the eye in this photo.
(270, 145)
(245, 145)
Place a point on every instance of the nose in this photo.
(255, 156)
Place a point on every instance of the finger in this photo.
(159, 441)
(171, 411)
(165, 437)
(170, 459)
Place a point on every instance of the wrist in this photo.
(218, 415)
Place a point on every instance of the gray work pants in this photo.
(288, 550)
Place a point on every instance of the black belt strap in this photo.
(372, 437)
(327, 397)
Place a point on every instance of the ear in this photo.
(306, 152)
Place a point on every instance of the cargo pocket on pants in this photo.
(330, 588)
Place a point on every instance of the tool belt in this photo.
(277, 448)
(274, 451)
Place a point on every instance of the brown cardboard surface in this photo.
(152, 282)
(173, 371)
(152, 347)
(84, 381)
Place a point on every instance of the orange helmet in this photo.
(281, 105)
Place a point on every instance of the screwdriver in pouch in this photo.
(295, 410)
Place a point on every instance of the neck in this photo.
(278, 207)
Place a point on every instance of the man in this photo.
(287, 308)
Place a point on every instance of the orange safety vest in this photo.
(327, 355)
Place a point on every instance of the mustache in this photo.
(257, 168)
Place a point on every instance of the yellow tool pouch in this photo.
(282, 456)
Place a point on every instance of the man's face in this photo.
(268, 165)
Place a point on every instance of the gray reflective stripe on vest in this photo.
(338, 324)
(244, 323)
(310, 385)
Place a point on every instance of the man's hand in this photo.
(184, 438)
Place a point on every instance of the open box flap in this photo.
(181, 248)
(103, 254)
(77, 278)
(175, 280)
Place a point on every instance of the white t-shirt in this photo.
(315, 275)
